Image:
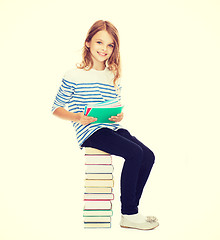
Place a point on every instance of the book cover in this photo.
(99, 168)
(97, 225)
(99, 183)
(99, 176)
(103, 114)
(108, 103)
(103, 111)
(97, 219)
(98, 159)
(106, 213)
(97, 205)
(98, 190)
(94, 151)
(98, 196)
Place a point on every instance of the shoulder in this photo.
(73, 75)
(109, 73)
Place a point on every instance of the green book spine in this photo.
(97, 213)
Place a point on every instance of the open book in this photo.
(103, 111)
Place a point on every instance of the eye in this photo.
(99, 42)
(111, 45)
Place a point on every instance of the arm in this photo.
(66, 115)
(63, 96)
(75, 117)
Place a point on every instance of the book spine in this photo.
(104, 197)
(102, 161)
(97, 225)
(99, 183)
(98, 213)
(100, 176)
(99, 197)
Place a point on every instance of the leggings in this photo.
(138, 163)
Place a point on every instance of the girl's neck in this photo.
(99, 70)
(98, 67)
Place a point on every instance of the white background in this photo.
(170, 60)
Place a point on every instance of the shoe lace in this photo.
(151, 219)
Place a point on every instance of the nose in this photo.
(103, 47)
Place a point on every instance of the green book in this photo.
(97, 213)
(103, 114)
(103, 111)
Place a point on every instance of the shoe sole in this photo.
(139, 228)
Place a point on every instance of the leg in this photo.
(146, 164)
(110, 141)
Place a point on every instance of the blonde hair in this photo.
(114, 62)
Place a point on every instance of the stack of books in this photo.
(98, 193)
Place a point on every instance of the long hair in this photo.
(114, 62)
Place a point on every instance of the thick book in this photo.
(103, 111)
(97, 205)
(97, 219)
(94, 151)
(99, 168)
(97, 225)
(99, 183)
(98, 159)
(98, 176)
(98, 190)
(97, 213)
(98, 196)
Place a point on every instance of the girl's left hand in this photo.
(117, 118)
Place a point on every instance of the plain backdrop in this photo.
(170, 61)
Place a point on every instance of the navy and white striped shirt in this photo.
(79, 88)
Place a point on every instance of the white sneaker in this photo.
(147, 225)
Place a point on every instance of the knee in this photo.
(135, 152)
(149, 157)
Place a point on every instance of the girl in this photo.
(96, 80)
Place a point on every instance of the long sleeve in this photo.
(64, 94)
(80, 88)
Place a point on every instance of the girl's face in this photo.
(101, 47)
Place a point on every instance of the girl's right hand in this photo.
(84, 120)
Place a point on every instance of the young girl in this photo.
(93, 81)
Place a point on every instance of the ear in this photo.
(88, 44)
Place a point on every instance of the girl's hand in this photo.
(117, 118)
(84, 120)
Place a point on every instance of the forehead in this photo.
(103, 35)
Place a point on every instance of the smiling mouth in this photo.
(102, 54)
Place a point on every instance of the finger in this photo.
(113, 119)
(91, 118)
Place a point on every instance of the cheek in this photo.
(93, 50)
(110, 51)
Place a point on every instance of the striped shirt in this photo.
(79, 88)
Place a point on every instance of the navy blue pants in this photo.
(138, 163)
